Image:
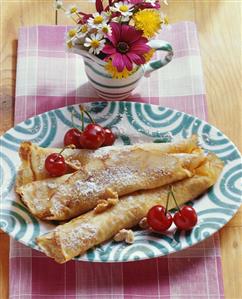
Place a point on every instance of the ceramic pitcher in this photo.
(109, 88)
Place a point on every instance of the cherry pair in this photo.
(160, 219)
(93, 137)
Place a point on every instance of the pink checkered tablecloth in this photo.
(48, 78)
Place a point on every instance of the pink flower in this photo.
(142, 5)
(127, 46)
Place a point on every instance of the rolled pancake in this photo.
(33, 157)
(80, 234)
(70, 196)
(33, 160)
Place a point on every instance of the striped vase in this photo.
(109, 88)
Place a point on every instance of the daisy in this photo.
(72, 10)
(105, 29)
(58, 4)
(82, 31)
(124, 8)
(97, 20)
(71, 36)
(95, 43)
(126, 46)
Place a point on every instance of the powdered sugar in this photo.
(81, 236)
(52, 185)
(87, 188)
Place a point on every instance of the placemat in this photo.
(48, 78)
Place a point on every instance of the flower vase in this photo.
(109, 88)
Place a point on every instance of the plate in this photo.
(133, 122)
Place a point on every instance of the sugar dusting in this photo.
(94, 188)
(78, 237)
(87, 188)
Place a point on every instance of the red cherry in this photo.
(55, 164)
(72, 137)
(158, 219)
(109, 137)
(92, 137)
(186, 218)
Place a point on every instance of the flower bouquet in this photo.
(117, 38)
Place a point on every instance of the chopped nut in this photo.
(189, 173)
(101, 207)
(101, 201)
(120, 236)
(110, 193)
(129, 237)
(104, 204)
(125, 235)
(112, 201)
(143, 223)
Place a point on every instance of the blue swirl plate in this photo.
(134, 122)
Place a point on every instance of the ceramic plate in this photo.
(133, 122)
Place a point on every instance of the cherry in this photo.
(92, 137)
(159, 219)
(55, 164)
(185, 218)
(109, 137)
(72, 136)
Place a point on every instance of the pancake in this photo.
(33, 157)
(91, 229)
(69, 196)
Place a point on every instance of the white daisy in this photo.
(124, 8)
(72, 10)
(105, 29)
(95, 42)
(58, 4)
(82, 31)
(97, 20)
(71, 37)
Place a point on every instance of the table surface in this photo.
(219, 27)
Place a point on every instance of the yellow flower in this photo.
(112, 70)
(69, 44)
(149, 21)
(72, 32)
(165, 21)
(149, 55)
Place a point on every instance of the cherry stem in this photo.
(72, 118)
(167, 201)
(71, 146)
(82, 109)
(173, 196)
(90, 117)
(82, 117)
(72, 121)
